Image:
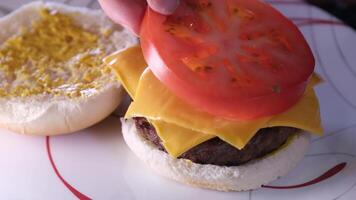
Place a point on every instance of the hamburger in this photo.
(222, 94)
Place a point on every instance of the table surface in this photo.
(96, 163)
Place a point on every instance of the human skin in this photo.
(129, 13)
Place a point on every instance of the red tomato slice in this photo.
(237, 59)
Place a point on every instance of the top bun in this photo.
(46, 114)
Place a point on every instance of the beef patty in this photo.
(217, 152)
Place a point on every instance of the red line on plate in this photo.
(74, 191)
(331, 172)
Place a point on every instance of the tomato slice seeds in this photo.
(236, 59)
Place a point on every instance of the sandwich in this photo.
(222, 94)
(52, 78)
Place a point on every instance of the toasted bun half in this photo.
(249, 176)
(48, 115)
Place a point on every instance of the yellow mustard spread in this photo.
(53, 57)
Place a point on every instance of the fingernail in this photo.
(165, 7)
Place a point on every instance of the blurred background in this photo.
(343, 9)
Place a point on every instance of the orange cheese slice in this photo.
(181, 126)
(176, 139)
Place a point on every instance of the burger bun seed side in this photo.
(249, 176)
(49, 115)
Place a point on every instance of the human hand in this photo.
(129, 13)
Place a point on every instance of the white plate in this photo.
(96, 163)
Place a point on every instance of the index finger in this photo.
(128, 13)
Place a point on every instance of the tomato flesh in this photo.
(232, 58)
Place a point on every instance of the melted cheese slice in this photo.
(128, 66)
(181, 126)
(176, 139)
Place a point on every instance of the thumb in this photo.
(165, 7)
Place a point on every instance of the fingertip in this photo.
(165, 7)
(128, 13)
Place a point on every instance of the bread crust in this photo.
(48, 115)
(236, 178)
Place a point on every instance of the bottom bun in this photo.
(251, 175)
